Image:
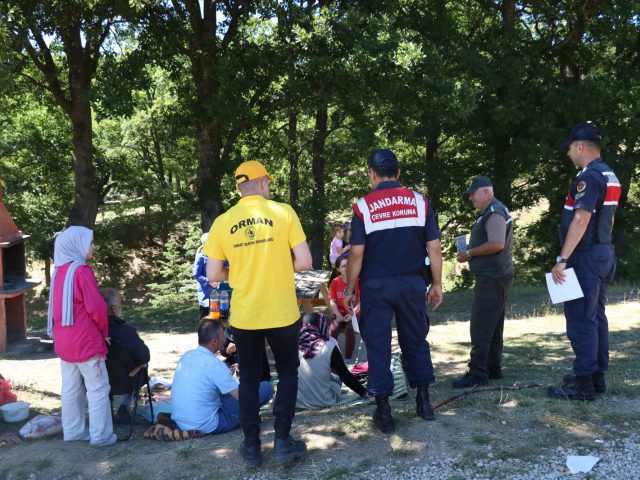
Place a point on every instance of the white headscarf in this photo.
(203, 240)
(71, 246)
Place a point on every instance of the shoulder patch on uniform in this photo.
(581, 186)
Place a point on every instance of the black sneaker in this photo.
(251, 455)
(469, 380)
(122, 416)
(288, 449)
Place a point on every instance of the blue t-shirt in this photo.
(395, 224)
(199, 381)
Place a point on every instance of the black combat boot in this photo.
(423, 407)
(251, 454)
(599, 383)
(581, 390)
(382, 416)
(288, 449)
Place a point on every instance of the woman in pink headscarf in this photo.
(77, 321)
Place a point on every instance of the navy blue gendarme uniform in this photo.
(394, 223)
(595, 189)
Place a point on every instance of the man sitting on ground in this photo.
(127, 337)
(204, 393)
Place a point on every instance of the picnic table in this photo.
(308, 284)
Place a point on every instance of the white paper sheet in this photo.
(581, 464)
(461, 243)
(563, 292)
(354, 324)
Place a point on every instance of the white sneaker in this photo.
(109, 441)
(83, 437)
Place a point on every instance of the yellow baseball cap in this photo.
(250, 171)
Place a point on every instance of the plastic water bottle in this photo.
(214, 304)
(224, 304)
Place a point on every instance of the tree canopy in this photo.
(159, 101)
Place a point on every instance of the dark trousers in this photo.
(380, 298)
(250, 347)
(204, 311)
(349, 336)
(487, 323)
(587, 324)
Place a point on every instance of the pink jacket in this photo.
(86, 337)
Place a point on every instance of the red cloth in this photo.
(6, 394)
(336, 292)
(84, 339)
(360, 368)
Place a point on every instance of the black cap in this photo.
(478, 182)
(382, 157)
(582, 131)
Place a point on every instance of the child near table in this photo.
(336, 249)
(344, 314)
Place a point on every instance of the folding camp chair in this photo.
(126, 378)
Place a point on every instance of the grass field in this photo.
(506, 425)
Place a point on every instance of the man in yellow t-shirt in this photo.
(264, 244)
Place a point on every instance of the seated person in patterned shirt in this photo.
(322, 370)
(204, 393)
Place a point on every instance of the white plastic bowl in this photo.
(15, 412)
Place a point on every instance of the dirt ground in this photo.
(341, 441)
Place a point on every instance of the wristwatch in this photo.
(347, 292)
(468, 255)
(559, 259)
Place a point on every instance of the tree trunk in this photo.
(293, 155)
(157, 150)
(209, 178)
(85, 204)
(162, 185)
(203, 54)
(147, 218)
(47, 271)
(432, 167)
(81, 67)
(317, 168)
(508, 14)
(503, 168)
